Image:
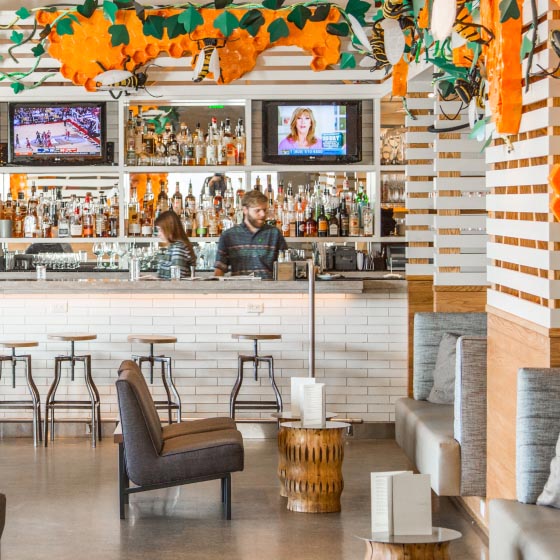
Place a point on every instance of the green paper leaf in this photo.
(347, 60)
(526, 47)
(278, 29)
(252, 21)
(299, 16)
(321, 12)
(38, 50)
(221, 4)
(478, 125)
(174, 26)
(446, 88)
(509, 10)
(190, 19)
(227, 23)
(16, 37)
(273, 4)
(338, 29)
(123, 4)
(119, 35)
(64, 26)
(358, 9)
(17, 87)
(417, 6)
(153, 26)
(87, 8)
(110, 10)
(23, 13)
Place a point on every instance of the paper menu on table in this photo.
(382, 500)
(297, 384)
(412, 505)
(313, 407)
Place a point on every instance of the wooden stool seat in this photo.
(256, 336)
(68, 337)
(35, 403)
(18, 344)
(94, 402)
(173, 401)
(152, 338)
(256, 359)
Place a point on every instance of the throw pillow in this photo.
(443, 391)
(551, 494)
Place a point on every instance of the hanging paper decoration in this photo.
(394, 40)
(443, 18)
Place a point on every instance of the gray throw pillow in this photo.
(443, 390)
(551, 494)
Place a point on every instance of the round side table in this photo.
(410, 547)
(313, 461)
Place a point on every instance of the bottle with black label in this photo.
(344, 219)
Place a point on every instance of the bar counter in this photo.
(360, 336)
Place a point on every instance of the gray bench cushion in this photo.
(538, 426)
(523, 531)
(425, 433)
(428, 330)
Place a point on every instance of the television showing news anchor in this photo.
(302, 135)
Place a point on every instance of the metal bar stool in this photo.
(166, 372)
(52, 403)
(256, 359)
(34, 404)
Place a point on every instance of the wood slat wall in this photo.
(524, 239)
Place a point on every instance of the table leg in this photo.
(412, 551)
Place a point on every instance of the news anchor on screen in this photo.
(302, 132)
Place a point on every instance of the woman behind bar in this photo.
(180, 251)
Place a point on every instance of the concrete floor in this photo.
(63, 504)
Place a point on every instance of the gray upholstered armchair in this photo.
(158, 457)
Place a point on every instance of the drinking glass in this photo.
(98, 249)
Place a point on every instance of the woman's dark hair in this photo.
(172, 227)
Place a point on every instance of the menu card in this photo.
(297, 384)
(313, 408)
(401, 503)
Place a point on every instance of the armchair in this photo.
(156, 457)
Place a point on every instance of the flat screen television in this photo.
(312, 132)
(57, 133)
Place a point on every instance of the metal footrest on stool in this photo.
(173, 401)
(34, 404)
(235, 404)
(93, 404)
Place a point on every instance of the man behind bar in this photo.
(250, 247)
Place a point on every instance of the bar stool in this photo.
(34, 404)
(52, 403)
(166, 373)
(256, 359)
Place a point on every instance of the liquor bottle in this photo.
(269, 190)
(217, 201)
(229, 144)
(9, 207)
(131, 155)
(229, 198)
(300, 219)
(173, 155)
(114, 213)
(163, 200)
(75, 222)
(334, 228)
(202, 224)
(63, 222)
(87, 217)
(213, 224)
(30, 221)
(271, 214)
(148, 200)
(101, 229)
(134, 228)
(211, 147)
(240, 190)
(187, 222)
(354, 222)
(310, 224)
(200, 148)
(177, 200)
(19, 215)
(190, 199)
(146, 225)
(344, 219)
(367, 220)
(322, 223)
(257, 186)
(188, 149)
(240, 143)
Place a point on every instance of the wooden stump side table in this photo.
(381, 546)
(313, 466)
